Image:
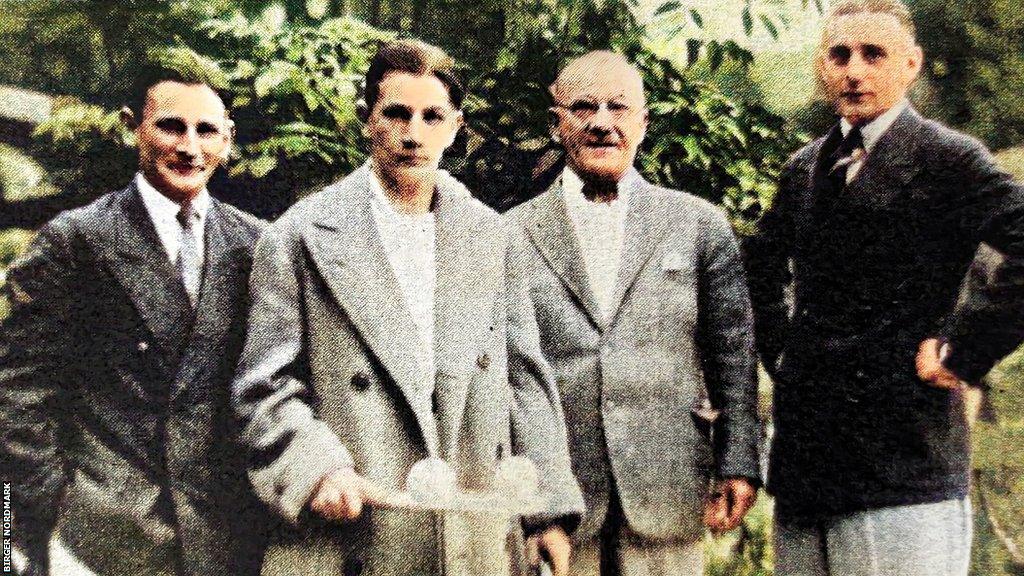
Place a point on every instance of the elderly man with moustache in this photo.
(644, 315)
(116, 360)
(875, 224)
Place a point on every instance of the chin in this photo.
(601, 173)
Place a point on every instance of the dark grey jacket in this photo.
(877, 269)
(114, 395)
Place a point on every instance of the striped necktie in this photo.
(189, 263)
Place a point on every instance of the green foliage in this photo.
(12, 243)
(711, 145)
(975, 62)
(293, 92)
(21, 177)
(85, 149)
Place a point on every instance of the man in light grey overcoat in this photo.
(388, 325)
(644, 314)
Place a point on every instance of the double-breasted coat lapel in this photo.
(224, 263)
(469, 266)
(549, 227)
(347, 250)
(136, 258)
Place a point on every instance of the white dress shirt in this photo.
(600, 228)
(871, 132)
(164, 213)
(409, 243)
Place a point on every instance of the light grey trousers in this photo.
(917, 540)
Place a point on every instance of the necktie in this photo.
(850, 150)
(189, 264)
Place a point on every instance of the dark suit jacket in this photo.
(876, 269)
(114, 417)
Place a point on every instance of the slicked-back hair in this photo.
(894, 8)
(414, 57)
(151, 74)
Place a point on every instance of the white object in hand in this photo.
(431, 481)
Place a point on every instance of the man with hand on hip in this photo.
(876, 224)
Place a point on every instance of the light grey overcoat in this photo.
(328, 379)
(633, 384)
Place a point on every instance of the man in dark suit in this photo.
(115, 362)
(876, 224)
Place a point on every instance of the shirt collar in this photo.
(382, 204)
(572, 187)
(873, 130)
(162, 207)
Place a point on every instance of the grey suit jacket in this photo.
(326, 380)
(114, 396)
(681, 331)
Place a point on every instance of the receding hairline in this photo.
(893, 8)
(599, 60)
(147, 95)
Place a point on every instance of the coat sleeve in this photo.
(289, 448)
(725, 337)
(41, 289)
(766, 257)
(538, 423)
(988, 206)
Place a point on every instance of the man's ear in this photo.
(128, 118)
(553, 118)
(229, 138)
(460, 121)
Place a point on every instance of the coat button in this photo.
(142, 346)
(483, 361)
(360, 380)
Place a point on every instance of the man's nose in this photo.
(413, 133)
(188, 144)
(855, 69)
(601, 123)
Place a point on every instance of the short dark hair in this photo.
(179, 65)
(414, 57)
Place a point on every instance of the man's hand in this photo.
(726, 506)
(930, 368)
(551, 545)
(342, 494)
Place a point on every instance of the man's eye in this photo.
(433, 116)
(207, 129)
(615, 106)
(873, 53)
(583, 107)
(173, 125)
(839, 54)
(396, 112)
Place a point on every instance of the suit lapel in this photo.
(646, 223)
(470, 263)
(223, 264)
(347, 251)
(550, 229)
(136, 258)
(891, 163)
